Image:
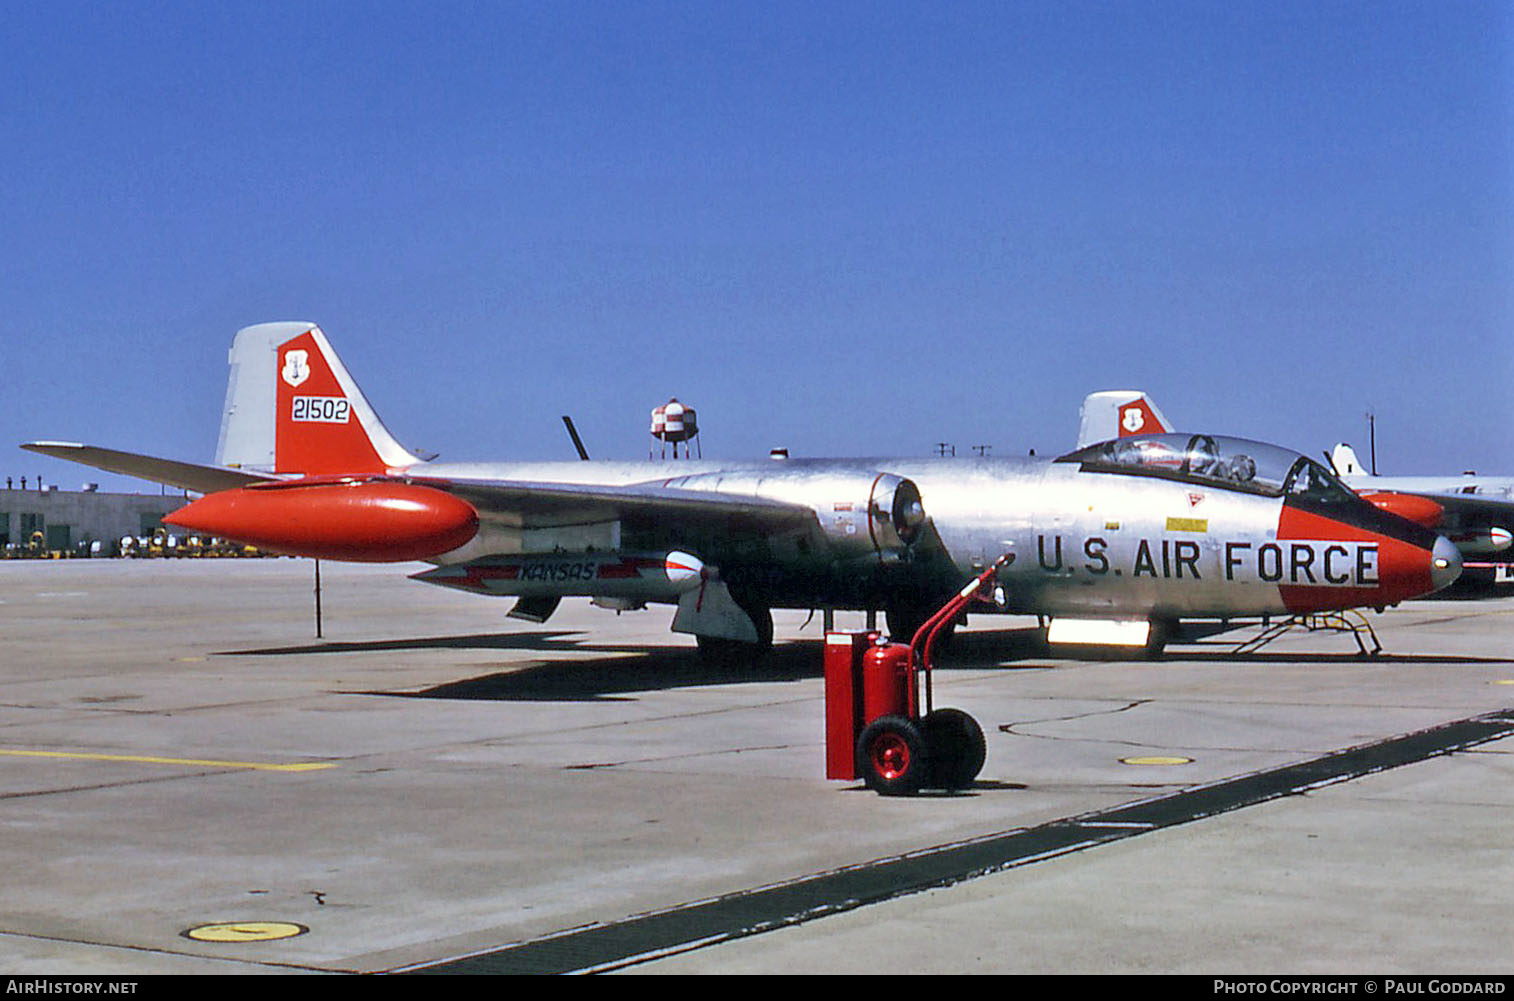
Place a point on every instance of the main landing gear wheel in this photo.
(957, 747)
(893, 756)
(905, 620)
(1162, 630)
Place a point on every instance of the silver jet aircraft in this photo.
(1114, 542)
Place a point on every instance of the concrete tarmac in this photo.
(432, 782)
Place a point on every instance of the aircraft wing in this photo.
(1484, 508)
(534, 505)
(185, 475)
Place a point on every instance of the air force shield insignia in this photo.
(296, 367)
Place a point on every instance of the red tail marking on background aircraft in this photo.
(1137, 417)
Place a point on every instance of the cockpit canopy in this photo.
(1216, 461)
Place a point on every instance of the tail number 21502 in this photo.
(324, 409)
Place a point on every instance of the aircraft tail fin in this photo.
(292, 407)
(1343, 459)
(1118, 413)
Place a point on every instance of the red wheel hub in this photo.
(890, 754)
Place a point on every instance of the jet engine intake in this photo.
(879, 515)
(896, 512)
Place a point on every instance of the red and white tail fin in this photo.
(292, 407)
(1118, 413)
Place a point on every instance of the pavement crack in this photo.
(594, 765)
(97, 786)
(1072, 717)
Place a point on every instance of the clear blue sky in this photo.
(847, 228)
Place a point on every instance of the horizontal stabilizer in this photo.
(184, 475)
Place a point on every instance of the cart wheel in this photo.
(893, 756)
(957, 747)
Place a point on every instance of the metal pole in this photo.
(1372, 436)
(578, 442)
(318, 634)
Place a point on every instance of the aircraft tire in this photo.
(762, 618)
(893, 756)
(719, 652)
(902, 621)
(957, 747)
(905, 620)
(1156, 643)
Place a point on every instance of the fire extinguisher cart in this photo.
(881, 721)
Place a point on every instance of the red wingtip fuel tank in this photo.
(358, 520)
(1420, 510)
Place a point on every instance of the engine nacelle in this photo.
(858, 511)
(862, 513)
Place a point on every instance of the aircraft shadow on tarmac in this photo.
(628, 669)
(546, 640)
(623, 671)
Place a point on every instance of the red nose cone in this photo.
(1420, 510)
(373, 522)
(1322, 564)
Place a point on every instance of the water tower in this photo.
(674, 423)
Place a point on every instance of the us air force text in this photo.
(1312, 562)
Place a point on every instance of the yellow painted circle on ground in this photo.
(1157, 759)
(245, 931)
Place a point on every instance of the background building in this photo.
(72, 521)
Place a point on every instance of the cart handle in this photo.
(925, 637)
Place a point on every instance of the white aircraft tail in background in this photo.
(1119, 413)
(1343, 459)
